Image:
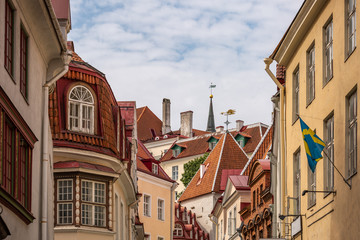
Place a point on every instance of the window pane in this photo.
(65, 190)
(100, 216)
(86, 191)
(99, 192)
(86, 214)
(65, 213)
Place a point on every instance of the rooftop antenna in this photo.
(227, 113)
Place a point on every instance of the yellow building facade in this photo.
(319, 54)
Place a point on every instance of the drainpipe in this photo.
(216, 225)
(267, 62)
(66, 58)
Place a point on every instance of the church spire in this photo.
(211, 119)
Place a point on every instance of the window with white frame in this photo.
(351, 165)
(297, 182)
(81, 110)
(161, 209)
(147, 205)
(175, 173)
(295, 91)
(155, 168)
(65, 201)
(93, 206)
(161, 238)
(230, 223)
(311, 187)
(328, 52)
(329, 156)
(310, 86)
(350, 16)
(178, 231)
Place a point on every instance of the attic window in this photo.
(155, 168)
(212, 145)
(241, 140)
(81, 110)
(176, 152)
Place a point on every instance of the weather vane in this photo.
(227, 113)
(211, 88)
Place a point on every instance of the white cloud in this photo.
(151, 49)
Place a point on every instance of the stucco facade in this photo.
(23, 115)
(157, 189)
(328, 109)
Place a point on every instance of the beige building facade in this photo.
(320, 56)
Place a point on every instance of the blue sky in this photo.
(155, 49)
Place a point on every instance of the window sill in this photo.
(311, 206)
(10, 75)
(349, 55)
(326, 82)
(15, 206)
(295, 120)
(351, 176)
(308, 104)
(84, 229)
(327, 194)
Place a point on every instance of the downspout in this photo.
(66, 57)
(267, 62)
(216, 228)
(131, 205)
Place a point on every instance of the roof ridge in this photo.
(220, 155)
(256, 149)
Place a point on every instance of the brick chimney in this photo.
(166, 128)
(186, 123)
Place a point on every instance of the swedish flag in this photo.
(313, 145)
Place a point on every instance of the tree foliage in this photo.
(191, 168)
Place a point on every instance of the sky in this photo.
(155, 49)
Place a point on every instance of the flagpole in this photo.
(337, 169)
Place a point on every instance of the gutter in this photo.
(66, 58)
(267, 62)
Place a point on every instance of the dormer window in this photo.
(81, 110)
(155, 168)
(176, 152)
(212, 142)
(212, 145)
(241, 140)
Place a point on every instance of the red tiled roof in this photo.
(76, 164)
(240, 182)
(262, 149)
(200, 145)
(225, 174)
(227, 154)
(144, 155)
(147, 120)
(196, 132)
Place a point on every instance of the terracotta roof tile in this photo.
(146, 122)
(227, 154)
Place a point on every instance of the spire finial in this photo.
(211, 88)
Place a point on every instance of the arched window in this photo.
(81, 110)
(178, 230)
